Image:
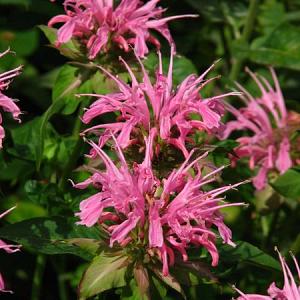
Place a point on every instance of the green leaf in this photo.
(132, 292)
(157, 288)
(48, 235)
(169, 281)
(26, 138)
(69, 49)
(281, 47)
(271, 14)
(47, 195)
(15, 169)
(104, 273)
(69, 82)
(26, 210)
(15, 40)
(219, 10)
(39, 147)
(192, 272)
(247, 253)
(288, 184)
(182, 68)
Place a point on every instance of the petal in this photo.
(156, 238)
(284, 162)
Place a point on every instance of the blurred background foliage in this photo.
(242, 33)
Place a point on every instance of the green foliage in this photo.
(43, 152)
(104, 273)
(69, 49)
(51, 236)
(244, 252)
(15, 2)
(15, 40)
(288, 184)
(279, 48)
(69, 83)
(182, 66)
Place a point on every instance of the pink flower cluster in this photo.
(166, 216)
(176, 114)
(266, 118)
(8, 249)
(6, 103)
(290, 290)
(97, 24)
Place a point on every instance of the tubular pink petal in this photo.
(155, 228)
(158, 23)
(283, 161)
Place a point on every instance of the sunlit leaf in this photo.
(104, 273)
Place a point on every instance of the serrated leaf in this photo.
(288, 184)
(247, 253)
(104, 273)
(47, 235)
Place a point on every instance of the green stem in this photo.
(59, 266)
(63, 294)
(247, 31)
(38, 276)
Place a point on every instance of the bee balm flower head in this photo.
(9, 249)
(98, 24)
(143, 105)
(290, 290)
(6, 103)
(268, 145)
(162, 216)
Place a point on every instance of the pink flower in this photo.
(6, 103)
(290, 290)
(266, 118)
(9, 249)
(142, 105)
(162, 216)
(98, 23)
